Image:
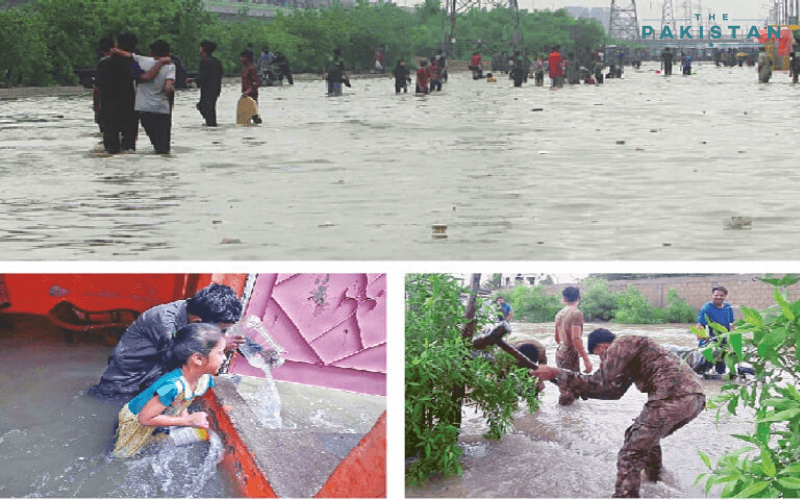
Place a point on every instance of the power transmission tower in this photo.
(455, 7)
(668, 17)
(687, 11)
(623, 22)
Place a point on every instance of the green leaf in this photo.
(780, 416)
(704, 458)
(708, 354)
(753, 490)
(767, 465)
(791, 483)
(736, 342)
(752, 316)
(791, 468)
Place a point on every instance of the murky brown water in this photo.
(365, 176)
(54, 439)
(571, 452)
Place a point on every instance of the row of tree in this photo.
(598, 303)
(44, 41)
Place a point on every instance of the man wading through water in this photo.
(569, 332)
(675, 398)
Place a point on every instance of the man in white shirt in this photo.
(154, 97)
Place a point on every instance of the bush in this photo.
(531, 304)
(439, 366)
(597, 302)
(678, 311)
(768, 467)
(633, 308)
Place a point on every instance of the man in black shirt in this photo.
(666, 61)
(115, 76)
(209, 80)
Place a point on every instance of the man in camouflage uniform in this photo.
(675, 398)
(569, 330)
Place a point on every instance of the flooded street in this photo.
(571, 452)
(640, 168)
(54, 439)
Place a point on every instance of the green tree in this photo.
(633, 308)
(438, 359)
(598, 303)
(768, 467)
(533, 304)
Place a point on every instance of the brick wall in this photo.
(743, 290)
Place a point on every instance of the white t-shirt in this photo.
(150, 96)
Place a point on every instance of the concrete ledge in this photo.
(325, 450)
(363, 472)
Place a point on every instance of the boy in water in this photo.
(423, 77)
(436, 75)
(250, 80)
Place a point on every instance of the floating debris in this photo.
(439, 231)
(738, 223)
(230, 241)
(620, 142)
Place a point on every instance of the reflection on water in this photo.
(645, 167)
(55, 440)
(571, 452)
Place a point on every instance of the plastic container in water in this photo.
(260, 350)
(183, 436)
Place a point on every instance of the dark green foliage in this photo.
(768, 466)
(438, 364)
(45, 40)
(597, 301)
(530, 303)
(633, 308)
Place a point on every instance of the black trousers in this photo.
(159, 129)
(208, 106)
(117, 119)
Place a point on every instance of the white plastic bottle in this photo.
(183, 436)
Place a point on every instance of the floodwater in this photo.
(54, 439)
(571, 452)
(645, 167)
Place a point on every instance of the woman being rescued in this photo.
(196, 355)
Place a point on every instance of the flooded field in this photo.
(571, 452)
(645, 168)
(54, 439)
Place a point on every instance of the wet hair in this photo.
(215, 304)
(127, 42)
(208, 47)
(265, 49)
(571, 293)
(720, 288)
(105, 44)
(423, 63)
(248, 54)
(337, 52)
(160, 48)
(194, 337)
(530, 351)
(600, 336)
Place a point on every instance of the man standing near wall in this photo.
(569, 332)
(717, 311)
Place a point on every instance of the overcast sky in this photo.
(651, 9)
